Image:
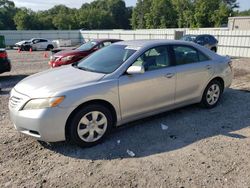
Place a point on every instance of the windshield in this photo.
(107, 59)
(189, 38)
(87, 46)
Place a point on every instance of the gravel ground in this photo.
(200, 148)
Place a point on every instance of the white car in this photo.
(35, 44)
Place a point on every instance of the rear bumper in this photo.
(5, 66)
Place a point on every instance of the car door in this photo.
(193, 70)
(35, 44)
(152, 90)
(44, 44)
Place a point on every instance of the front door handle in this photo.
(169, 75)
(208, 67)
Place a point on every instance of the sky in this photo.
(47, 4)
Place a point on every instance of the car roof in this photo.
(38, 39)
(193, 35)
(104, 40)
(144, 43)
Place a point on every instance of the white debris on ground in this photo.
(130, 153)
(164, 127)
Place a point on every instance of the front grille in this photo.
(15, 101)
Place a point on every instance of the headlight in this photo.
(67, 58)
(43, 103)
(52, 58)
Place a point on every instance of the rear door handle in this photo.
(169, 75)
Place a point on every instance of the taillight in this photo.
(3, 55)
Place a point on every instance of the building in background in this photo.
(239, 23)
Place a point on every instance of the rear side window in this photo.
(43, 40)
(107, 43)
(186, 55)
(214, 40)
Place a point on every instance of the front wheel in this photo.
(212, 94)
(90, 125)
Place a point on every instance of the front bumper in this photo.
(43, 124)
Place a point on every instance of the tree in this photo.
(161, 15)
(243, 13)
(138, 20)
(63, 17)
(232, 4)
(7, 13)
(94, 19)
(184, 10)
(220, 15)
(25, 19)
(120, 13)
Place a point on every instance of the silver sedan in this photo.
(118, 84)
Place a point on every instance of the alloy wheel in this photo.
(92, 126)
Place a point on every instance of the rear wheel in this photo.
(90, 125)
(50, 47)
(214, 49)
(212, 94)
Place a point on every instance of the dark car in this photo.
(5, 65)
(71, 56)
(208, 41)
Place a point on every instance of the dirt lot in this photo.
(200, 148)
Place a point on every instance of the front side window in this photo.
(36, 41)
(155, 58)
(186, 55)
(106, 60)
(43, 40)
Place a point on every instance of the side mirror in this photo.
(135, 70)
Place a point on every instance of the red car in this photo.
(5, 65)
(71, 56)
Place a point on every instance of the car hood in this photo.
(70, 52)
(53, 81)
(21, 42)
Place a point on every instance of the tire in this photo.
(86, 132)
(215, 89)
(50, 47)
(214, 49)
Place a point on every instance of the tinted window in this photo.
(36, 41)
(107, 59)
(87, 45)
(187, 55)
(107, 43)
(155, 58)
(207, 40)
(190, 38)
(212, 39)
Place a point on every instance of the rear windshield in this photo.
(87, 46)
(190, 38)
